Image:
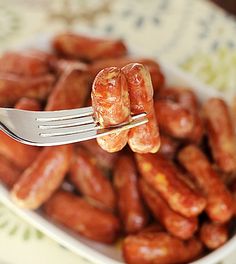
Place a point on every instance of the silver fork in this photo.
(51, 128)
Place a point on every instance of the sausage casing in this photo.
(221, 134)
(176, 224)
(13, 149)
(213, 235)
(111, 104)
(153, 67)
(184, 96)
(90, 180)
(162, 175)
(43, 177)
(28, 63)
(168, 146)
(104, 159)
(86, 48)
(174, 119)
(130, 204)
(70, 91)
(14, 87)
(144, 138)
(9, 173)
(159, 248)
(219, 200)
(28, 104)
(78, 215)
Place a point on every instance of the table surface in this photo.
(196, 36)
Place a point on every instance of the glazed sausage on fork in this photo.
(144, 138)
(111, 103)
(152, 66)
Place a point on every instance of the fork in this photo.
(51, 128)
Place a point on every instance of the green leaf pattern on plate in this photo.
(217, 69)
(14, 226)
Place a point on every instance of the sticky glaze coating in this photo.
(233, 192)
(14, 87)
(154, 227)
(86, 48)
(25, 63)
(12, 149)
(174, 119)
(162, 175)
(221, 134)
(176, 224)
(159, 248)
(104, 159)
(111, 104)
(131, 208)
(188, 100)
(213, 235)
(168, 146)
(28, 104)
(41, 179)
(9, 173)
(78, 215)
(62, 65)
(90, 180)
(196, 134)
(219, 200)
(70, 91)
(184, 96)
(158, 79)
(144, 138)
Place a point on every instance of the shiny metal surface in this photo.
(51, 128)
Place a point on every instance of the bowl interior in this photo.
(97, 252)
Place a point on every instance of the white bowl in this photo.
(96, 252)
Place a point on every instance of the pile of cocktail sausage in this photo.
(165, 189)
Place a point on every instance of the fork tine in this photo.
(63, 114)
(66, 123)
(137, 121)
(63, 131)
(77, 137)
(74, 128)
(93, 127)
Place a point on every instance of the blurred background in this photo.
(197, 35)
